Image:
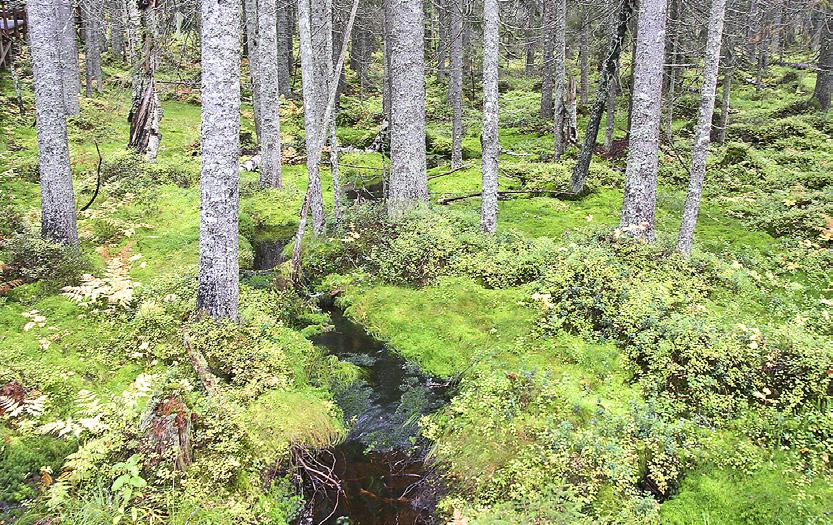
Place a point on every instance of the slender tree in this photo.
(824, 78)
(91, 15)
(63, 12)
(408, 180)
(491, 146)
(218, 285)
(584, 55)
(269, 99)
(547, 69)
(702, 135)
(252, 41)
(639, 204)
(609, 69)
(57, 199)
(116, 8)
(455, 86)
(560, 38)
(284, 36)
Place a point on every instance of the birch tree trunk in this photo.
(548, 46)
(560, 75)
(57, 199)
(64, 13)
(609, 69)
(313, 127)
(640, 199)
(408, 180)
(824, 78)
(217, 291)
(145, 110)
(491, 146)
(455, 86)
(702, 134)
(269, 99)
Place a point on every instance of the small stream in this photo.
(384, 478)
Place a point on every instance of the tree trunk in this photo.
(610, 112)
(145, 110)
(530, 36)
(284, 34)
(491, 146)
(90, 16)
(584, 56)
(443, 38)
(455, 86)
(724, 103)
(824, 79)
(408, 180)
(609, 68)
(702, 135)
(314, 127)
(218, 281)
(546, 111)
(639, 204)
(560, 75)
(57, 199)
(387, 42)
(252, 26)
(269, 99)
(674, 19)
(117, 28)
(63, 11)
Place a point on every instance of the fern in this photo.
(114, 290)
(13, 409)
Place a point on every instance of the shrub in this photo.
(32, 258)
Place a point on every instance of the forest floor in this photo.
(596, 379)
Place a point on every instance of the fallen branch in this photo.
(506, 193)
(200, 365)
(515, 154)
(449, 172)
(797, 65)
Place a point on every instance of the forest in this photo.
(416, 262)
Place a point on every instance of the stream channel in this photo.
(380, 465)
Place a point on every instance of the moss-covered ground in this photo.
(557, 414)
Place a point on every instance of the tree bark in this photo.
(408, 180)
(314, 127)
(455, 86)
(546, 111)
(725, 103)
(491, 146)
(824, 77)
(91, 21)
(117, 28)
(530, 36)
(64, 13)
(639, 204)
(609, 69)
(218, 281)
(560, 75)
(252, 41)
(284, 35)
(269, 99)
(145, 110)
(702, 135)
(57, 199)
(584, 56)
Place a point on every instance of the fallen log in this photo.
(506, 193)
(200, 365)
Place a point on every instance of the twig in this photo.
(98, 179)
(555, 193)
(449, 172)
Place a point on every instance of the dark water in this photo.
(380, 465)
(268, 254)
